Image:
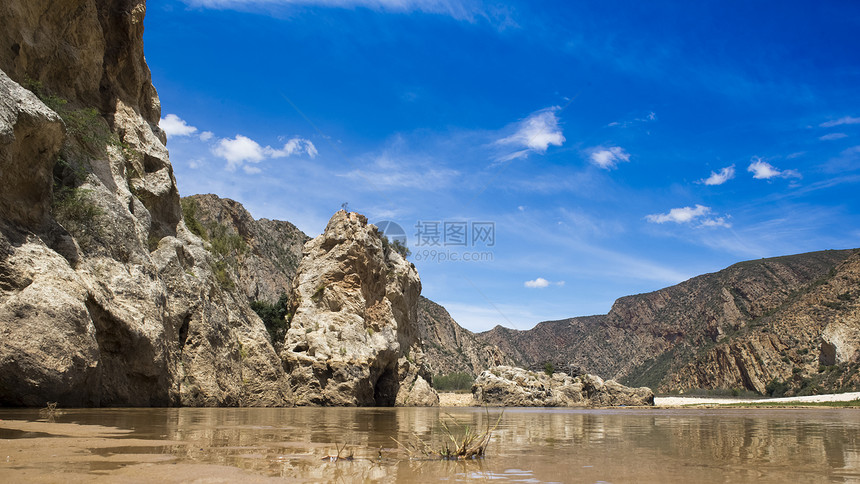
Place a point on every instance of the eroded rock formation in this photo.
(352, 338)
(106, 298)
(510, 386)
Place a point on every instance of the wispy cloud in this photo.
(723, 176)
(241, 150)
(840, 121)
(534, 134)
(608, 158)
(648, 118)
(685, 215)
(832, 136)
(460, 10)
(763, 170)
(391, 170)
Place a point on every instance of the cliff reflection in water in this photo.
(540, 445)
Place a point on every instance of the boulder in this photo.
(352, 339)
(509, 386)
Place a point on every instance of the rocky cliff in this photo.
(451, 348)
(106, 297)
(728, 329)
(352, 338)
(263, 254)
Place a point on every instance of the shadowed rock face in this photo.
(352, 338)
(509, 386)
(105, 297)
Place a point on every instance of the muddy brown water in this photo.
(529, 445)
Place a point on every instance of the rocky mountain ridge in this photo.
(451, 348)
(725, 330)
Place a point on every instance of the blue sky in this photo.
(612, 147)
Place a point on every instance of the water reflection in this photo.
(530, 445)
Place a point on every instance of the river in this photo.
(529, 445)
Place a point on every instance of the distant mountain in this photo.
(772, 321)
(451, 348)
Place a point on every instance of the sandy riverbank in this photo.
(465, 400)
(456, 400)
(681, 401)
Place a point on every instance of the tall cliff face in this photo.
(106, 298)
(705, 332)
(451, 348)
(352, 338)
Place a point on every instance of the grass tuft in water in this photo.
(462, 443)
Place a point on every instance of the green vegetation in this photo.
(220, 269)
(225, 243)
(318, 293)
(651, 372)
(274, 316)
(226, 246)
(549, 369)
(453, 382)
(189, 213)
(467, 443)
(75, 210)
(776, 388)
(396, 246)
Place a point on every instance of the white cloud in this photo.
(173, 125)
(238, 150)
(763, 170)
(840, 121)
(832, 136)
(540, 282)
(723, 176)
(686, 215)
(241, 150)
(294, 146)
(608, 158)
(716, 222)
(535, 133)
(206, 135)
(679, 215)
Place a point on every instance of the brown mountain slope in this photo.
(647, 338)
(263, 253)
(809, 345)
(451, 348)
